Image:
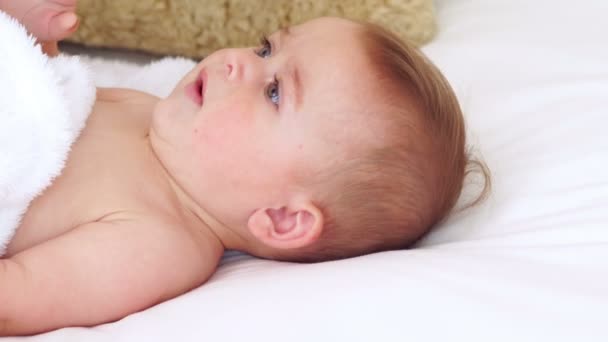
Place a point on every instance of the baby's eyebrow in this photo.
(296, 84)
(293, 71)
(284, 33)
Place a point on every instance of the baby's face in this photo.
(268, 115)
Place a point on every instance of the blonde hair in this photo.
(389, 197)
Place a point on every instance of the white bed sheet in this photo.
(531, 264)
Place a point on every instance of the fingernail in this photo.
(68, 20)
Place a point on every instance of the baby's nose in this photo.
(244, 67)
(231, 71)
(234, 66)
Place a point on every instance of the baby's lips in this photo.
(193, 92)
(203, 78)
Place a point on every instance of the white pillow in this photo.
(531, 264)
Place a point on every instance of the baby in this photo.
(331, 139)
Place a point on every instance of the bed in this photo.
(529, 264)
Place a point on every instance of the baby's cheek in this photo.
(224, 130)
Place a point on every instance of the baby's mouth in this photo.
(196, 90)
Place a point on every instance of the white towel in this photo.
(44, 103)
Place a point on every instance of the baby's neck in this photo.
(197, 216)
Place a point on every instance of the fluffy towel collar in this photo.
(44, 103)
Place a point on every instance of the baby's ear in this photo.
(288, 227)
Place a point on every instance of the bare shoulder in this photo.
(124, 95)
(169, 239)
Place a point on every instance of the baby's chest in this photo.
(105, 174)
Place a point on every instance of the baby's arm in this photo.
(98, 273)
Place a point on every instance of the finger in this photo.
(50, 48)
(63, 25)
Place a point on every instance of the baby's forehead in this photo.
(329, 30)
(344, 83)
(338, 79)
(335, 61)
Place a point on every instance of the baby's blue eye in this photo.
(273, 93)
(266, 50)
